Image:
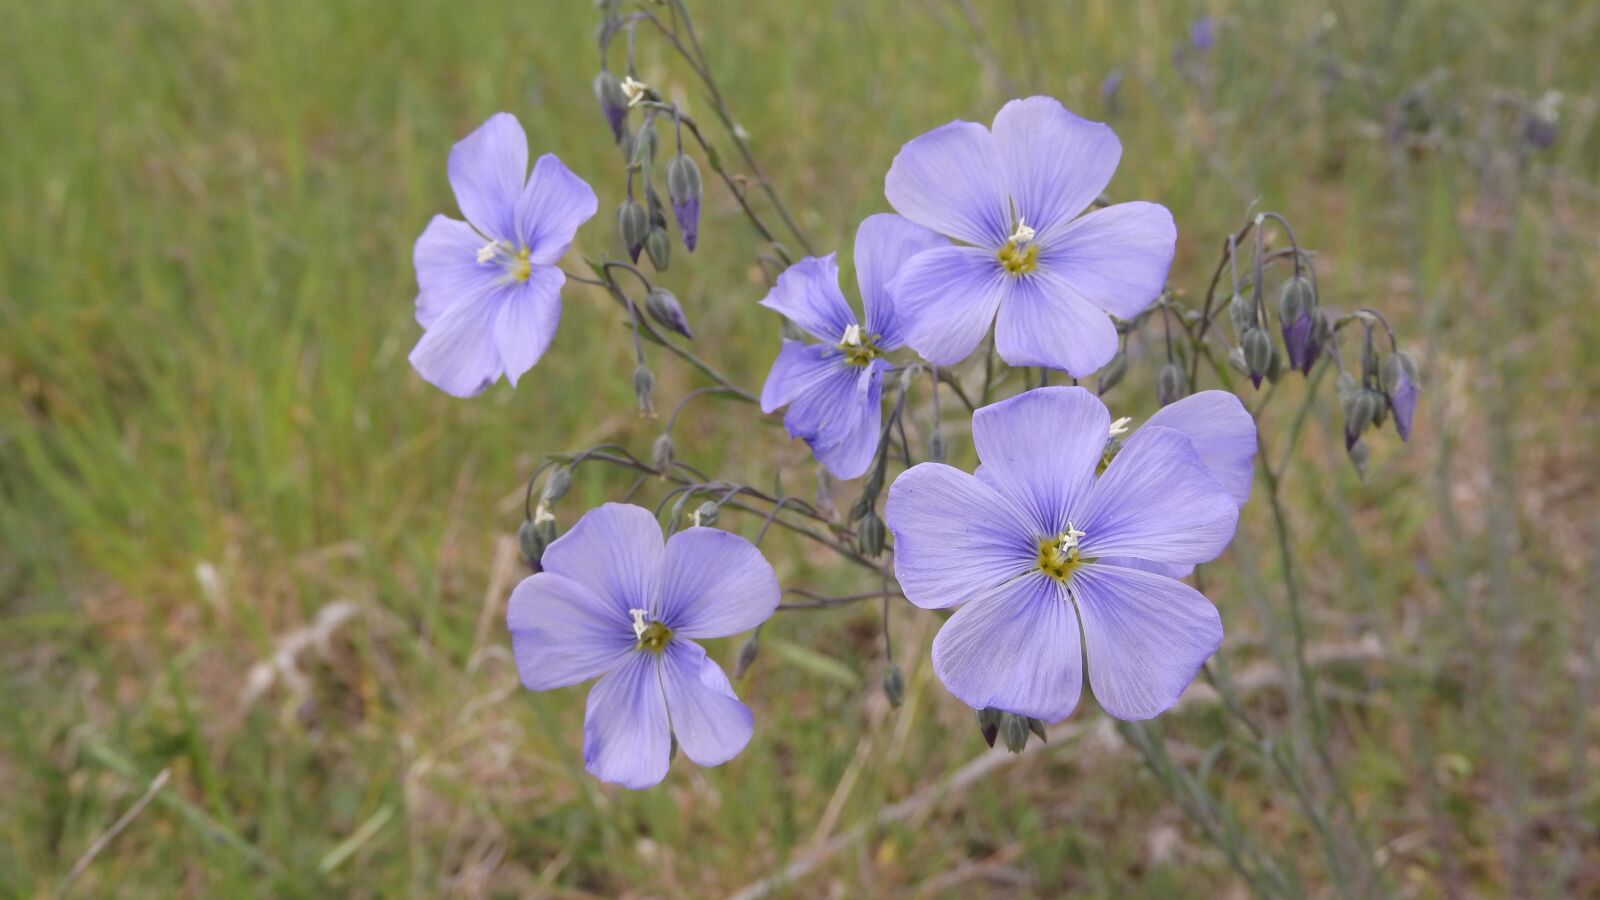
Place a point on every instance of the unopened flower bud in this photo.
(556, 486)
(1398, 373)
(613, 103)
(705, 515)
(533, 536)
(989, 724)
(870, 535)
(1170, 383)
(1258, 353)
(1358, 457)
(661, 454)
(644, 386)
(644, 147)
(1037, 727)
(663, 306)
(1014, 731)
(684, 187)
(633, 225)
(1241, 313)
(1361, 409)
(659, 248)
(1111, 375)
(1297, 297)
(1236, 361)
(748, 651)
(936, 446)
(894, 686)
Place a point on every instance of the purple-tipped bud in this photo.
(1361, 409)
(1014, 731)
(659, 247)
(1298, 341)
(870, 535)
(644, 387)
(613, 103)
(684, 187)
(1259, 354)
(634, 226)
(1399, 372)
(664, 308)
(989, 724)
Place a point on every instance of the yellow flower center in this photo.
(858, 346)
(652, 636)
(1059, 556)
(1019, 259)
(515, 263)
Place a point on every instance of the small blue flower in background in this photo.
(1223, 435)
(833, 388)
(1011, 196)
(489, 291)
(1202, 33)
(1024, 546)
(614, 602)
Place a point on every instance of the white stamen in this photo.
(487, 251)
(639, 623)
(852, 336)
(1068, 540)
(1023, 235)
(542, 514)
(634, 90)
(1120, 426)
(694, 518)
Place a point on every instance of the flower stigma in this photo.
(515, 262)
(1059, 555)
(1020, 255)
(650, 635)
(857, 346)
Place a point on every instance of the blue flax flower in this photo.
(1026, 546)
(833, 388)
(614, 602)
(489, 290)
(1011, 195)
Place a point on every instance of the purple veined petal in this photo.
(528, 319)
(1040, 449)
(1168, 570)
(954, 536)
(614, 550)
(1055, 162)
(797, 367)
(1145, 637)
(448, 271)
(714, 583)
(711, 725)
(945, 299)
(949, 180)
(826, 405)
(1157, 501)
(1116, 258)
(1223, 434)
(561, 633)
(457, 354)
(807, 293)
(1016, 648)
(883, 244)
(1044, 322)
(487, 170)
(550, 209)
(847, 443)
(627, 739)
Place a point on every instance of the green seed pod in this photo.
(633, 225)
(1112, 374)
(659, 248)
(894, 686)
(644, 386)
(1014, 731)
(661, 454)
(1297, 296)
(1170, 383)
(870, 535)
(557, 485)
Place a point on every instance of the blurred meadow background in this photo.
(253, 569)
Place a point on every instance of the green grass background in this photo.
(209, 433)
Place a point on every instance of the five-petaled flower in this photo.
(1010, 194)
(614, 601)
(833, 388)
(1025, 545)
(489, 292)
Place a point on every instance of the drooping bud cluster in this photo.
(1012, 730)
